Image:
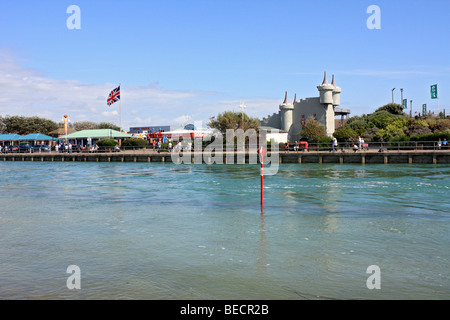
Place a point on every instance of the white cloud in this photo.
(183, 120)
(29, 92)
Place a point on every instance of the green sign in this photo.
(424, 108)
(434, 91)
(405, 103)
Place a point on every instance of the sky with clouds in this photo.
(184, 61)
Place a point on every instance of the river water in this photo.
(166, 231)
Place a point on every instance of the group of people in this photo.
(442, 144)
(297, 146)
(179, 147)
(157, 144)
(361, 145)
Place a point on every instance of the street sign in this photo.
(424, 109)
(405, 103)
(434, 91)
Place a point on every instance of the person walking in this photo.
(333, 144)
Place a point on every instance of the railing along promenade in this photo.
(398, 152)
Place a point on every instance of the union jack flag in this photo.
(114, 96)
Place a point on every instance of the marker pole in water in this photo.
(262, 185)
(262, 152)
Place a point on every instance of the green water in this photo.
(166, 231)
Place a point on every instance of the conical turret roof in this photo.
(325, 80)
(286, 100)
(325, 84)
(333, 83)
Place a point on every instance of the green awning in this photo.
(96, 134)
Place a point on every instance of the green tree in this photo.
(381, 119)
(345, 134)
(24, 125)
(313, 130)
(85, 125)
(2, 125)
(108, 125)
(392, 108)
(234, 120)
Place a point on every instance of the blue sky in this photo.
(185, 61)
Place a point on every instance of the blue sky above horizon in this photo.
(185, 61)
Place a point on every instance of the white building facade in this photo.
(292, 117)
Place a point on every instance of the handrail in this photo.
(370, 146)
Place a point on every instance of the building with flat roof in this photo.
(148, 129)
(90, 137)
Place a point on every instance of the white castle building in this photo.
(292, 117)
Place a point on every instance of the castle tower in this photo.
(336, 93)
(286, 114)
(326, 91)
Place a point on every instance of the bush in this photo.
(134, 142)
(417, 129)
(381, 119)
(313, 130)
(432, 136)
(107, 143)
(392, 108)
(359, 126)
(345, 134)
(440, 125)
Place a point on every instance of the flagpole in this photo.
(437, 88)
(120, 85)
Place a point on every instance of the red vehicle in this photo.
(13, 148)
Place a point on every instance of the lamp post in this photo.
(401, 91)
(393, 95)
(242, 106)
(410, 111)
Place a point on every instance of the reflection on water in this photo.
(164, 231)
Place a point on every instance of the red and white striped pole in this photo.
(262, 152)
(262, 184)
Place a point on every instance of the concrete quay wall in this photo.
(398, 157)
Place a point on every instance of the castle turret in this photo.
(286, 114)
(326, 91)
(336, 93)
(326, 100)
